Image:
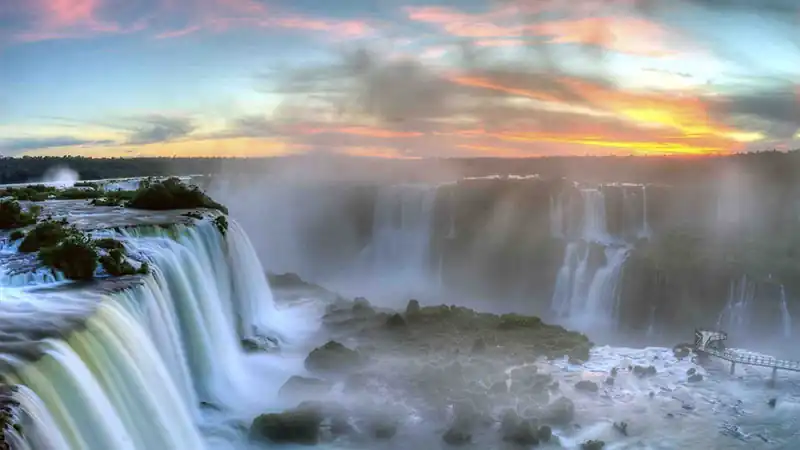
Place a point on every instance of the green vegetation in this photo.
(75, 257)
(47, 233)
(171, 194)
(115, 264)
(109, 244)
(16, 235)
(221, 222)
(12, 216)
(114, 198)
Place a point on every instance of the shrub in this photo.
(109, 244)
(75, 257)
(171, 194)
(12, 216)
(115, 264)
(16, 235)
(221, 222)
(46, 234)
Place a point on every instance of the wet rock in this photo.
(691, 371)
(772, 402)
(642, 371)
(614, 372)
(333, 357)
(593, 445)
(479, 346)
(523, 433)
(610, 381)
(695, 378)
(395, 321)
(361, 305)
(545, 433)
(298, 426)
(622, 427)
(412, 308)
(560, 412)
(586, 386)
(457, 436)
(302, 387)
(682, 350)
(383, 427)
(259, 344)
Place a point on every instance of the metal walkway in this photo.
(713, 343)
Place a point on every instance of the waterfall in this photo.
(786, 318)
(735, 317)
(556, 217)
(646, 232)
(133, 377)
(595, 226)
(400, 250)
(586, 295)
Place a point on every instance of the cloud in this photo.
(158, 128)
(12, 146)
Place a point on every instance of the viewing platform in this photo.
(713, 343)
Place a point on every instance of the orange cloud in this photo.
(363, 131)
(622, 34)
(375, 152)
(55, 19)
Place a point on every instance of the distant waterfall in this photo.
(556, 217)
(595, 225)
(786, 318)
(646, 232)
(736, 314)
(587, 294)
(134, 376)
(400, 250)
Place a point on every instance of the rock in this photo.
(412, 308)
(522, 432)
(259, 344)
(457, 436)
(332, 357)
(587, 386)
(614, 372)
(545, 433)
(642, 371)
(362, 304)
(682, 350)
(560, 412)
(395, 321)
(304, 387)
(593, 445)
(509, 421)
(610, 381)
(479, 346)
(695, 378)
(383, 427)
(622, 427)
(772, 402)
(299, 426)
(691, 371)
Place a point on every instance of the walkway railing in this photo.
(711, 343)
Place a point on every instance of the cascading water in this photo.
(134, 376)
(556, 217)
(786, 318)
(735, 317)
(587, 295)
(400, 250)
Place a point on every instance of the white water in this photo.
(399, 255)
(786, 318)
(587, 297)
(135, 377)
(735, 317)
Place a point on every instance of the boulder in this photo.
(593, 445)
(302, 387)
(395, 321)
(642, 371)
(772, 402)
(382, 426)
(499, 387)
(587, 386)
(412, 308)
(457, 436)
(691, 371)
(298, 426)
(545, 433)
(622, 427)
(560, 412)
(333, 358)
(695, 378)
(610, 381)
(479, 346)
(681, 351)
(517, 430)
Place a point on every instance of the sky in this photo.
(398, 78)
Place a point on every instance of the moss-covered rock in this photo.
(46, 233)
(298, 426)
(171, 194)
(74, 256)
(333, 358)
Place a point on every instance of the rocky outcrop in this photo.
(304, 388)
(333, 358)
(297, 426)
